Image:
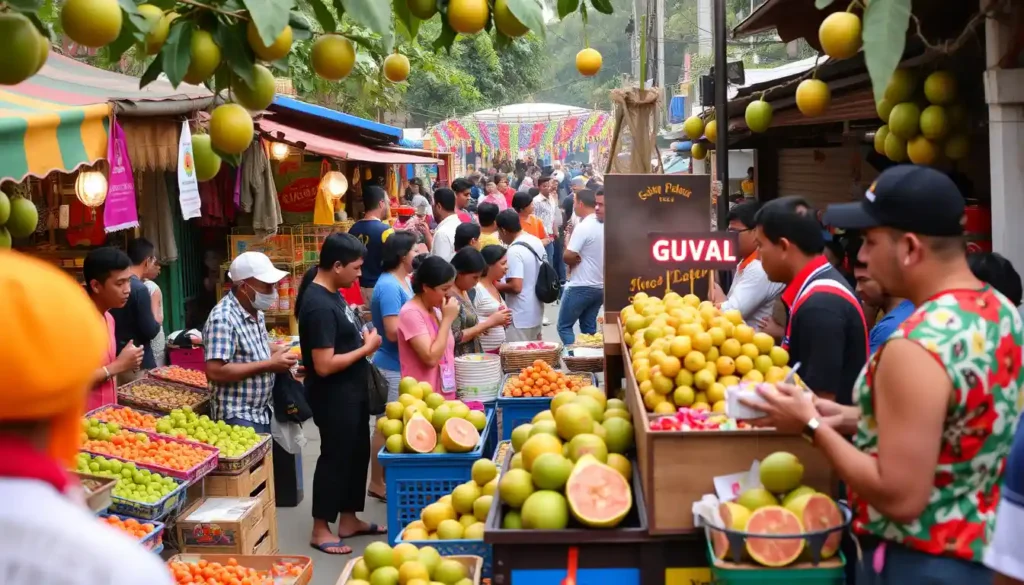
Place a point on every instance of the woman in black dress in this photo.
(335, 348)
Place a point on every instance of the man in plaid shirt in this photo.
(240, 365)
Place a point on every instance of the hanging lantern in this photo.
(335, 184)
(91, 188)
(279, 151)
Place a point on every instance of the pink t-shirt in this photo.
(413, 322)
(105, 393)
(497, 199)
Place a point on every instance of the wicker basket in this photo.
(197, 400)
(582, 363)
(514, 359)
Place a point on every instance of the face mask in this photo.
(263, 301)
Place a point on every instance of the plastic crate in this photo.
(415, 481)
(460, 547)
(189, 358)
(151, 541)
(192, 475)
(513, 412)
(802, 575)
(166, 506)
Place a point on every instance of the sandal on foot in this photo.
(325, 547)
(373, 530)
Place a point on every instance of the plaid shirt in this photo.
(235, 336)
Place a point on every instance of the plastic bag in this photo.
(288, 435)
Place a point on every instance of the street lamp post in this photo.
(721, 113)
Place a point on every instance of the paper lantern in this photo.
(91, 188)
(335, 184)
(279, 151)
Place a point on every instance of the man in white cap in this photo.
(240, 365)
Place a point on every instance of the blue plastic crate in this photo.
(513, 412)
(461, 547)
(415, 481)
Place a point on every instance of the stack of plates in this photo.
(478, 377)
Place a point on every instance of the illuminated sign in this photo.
(708, 250)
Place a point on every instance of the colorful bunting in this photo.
(556, 136)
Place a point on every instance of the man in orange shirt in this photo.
(523, 204)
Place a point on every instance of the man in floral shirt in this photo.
(936, 408)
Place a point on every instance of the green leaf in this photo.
(301, 29)
(125, 40)
(221, 78)
(375, 15)
(28, 6)
(446, 38)
(153, 71)
(885, 38)
(235, 51)
(177, 51)
(409, 24)
(39, 24)
(269, 16)
(823, 4)
(602, 6)
(501, 40)
(323, 16)
(339, 9)
(164, 5)
(135, 18)
(530, 13)
(567, 7)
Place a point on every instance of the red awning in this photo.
(335, 148)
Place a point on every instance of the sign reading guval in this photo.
(658, 238)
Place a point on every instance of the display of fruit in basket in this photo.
(163, 397)
(232, 440)
(405, 563)
(689, 419)
(540, 379)
(587, 413)
(127, 418)
(182, 375)
(231, 572)
(422, 421)
(461, 514)
(734, 517)
(781, 472)
(685, 352)
(585, 477)
(131, 526)
(140, 448)
(774, 552)
(140, 485)
(592, 339)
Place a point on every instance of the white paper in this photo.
(222, 510)
(188, 185)
(729, 487)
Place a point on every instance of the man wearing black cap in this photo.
(825, 333)
(936, 406)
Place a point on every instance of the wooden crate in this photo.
(245, 529)
(255, 482)
(678, 468)
(259, 562)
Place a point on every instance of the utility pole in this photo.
(659, 31)
(721, 114)
(634, 42)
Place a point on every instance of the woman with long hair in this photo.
(391, 293)
(469, 327)
(488, 300)
(426, 346)
(336, 350)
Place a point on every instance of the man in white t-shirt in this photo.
(584, 255)
(752, 294)
(525, 254)
(447, 222)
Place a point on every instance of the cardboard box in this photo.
(215, 525)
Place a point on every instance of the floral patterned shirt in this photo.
(977, 336)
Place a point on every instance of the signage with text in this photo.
(709, 250)
(658, 238)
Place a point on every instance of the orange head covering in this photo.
(53, 341)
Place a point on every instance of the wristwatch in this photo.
(810, 429)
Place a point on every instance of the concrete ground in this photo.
(294, 524)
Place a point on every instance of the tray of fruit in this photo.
(137, 492)
(126, 417)
(161, 396)
(170, 456)
(239, 446)
(97, 490)
(516, 355)
(149, 534)
(188, 568)
(540, 380)
(194, 378)
(697, 419)
(382, 564)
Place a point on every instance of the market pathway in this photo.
(294, 524)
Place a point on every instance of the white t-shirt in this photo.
(753, 294)
(444, 237)
(588, 241)
(47, 538)
(486, 305)
(527, 310)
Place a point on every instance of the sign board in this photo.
(658, 239)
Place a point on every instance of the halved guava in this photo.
(599, 497)
(458, 435)
(774, 552)
(418, 435)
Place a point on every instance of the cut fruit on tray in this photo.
(774, 552)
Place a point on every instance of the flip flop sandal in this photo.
(373, 530)
(377, 496)
(325, 547)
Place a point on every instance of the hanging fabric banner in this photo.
(120, 211)
(188, 185)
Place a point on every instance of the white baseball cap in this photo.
(254, 265)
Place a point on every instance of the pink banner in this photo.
(119, 210)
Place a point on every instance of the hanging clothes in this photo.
(157, 223)
(258, 191)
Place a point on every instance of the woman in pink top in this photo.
(426, 347)
(494, 196)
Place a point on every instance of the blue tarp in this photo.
(677, 109)
(287, 103)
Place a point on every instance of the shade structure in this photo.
(337, 148)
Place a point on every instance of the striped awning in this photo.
(58, 119)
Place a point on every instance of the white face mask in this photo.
(263, 301)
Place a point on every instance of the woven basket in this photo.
(514, 360)
(582, 364)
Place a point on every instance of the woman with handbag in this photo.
(426, 346)
(336, 351)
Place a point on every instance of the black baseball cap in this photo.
(910, 198)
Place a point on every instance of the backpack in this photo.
(548, 286)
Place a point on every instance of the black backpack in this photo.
(548, 286)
